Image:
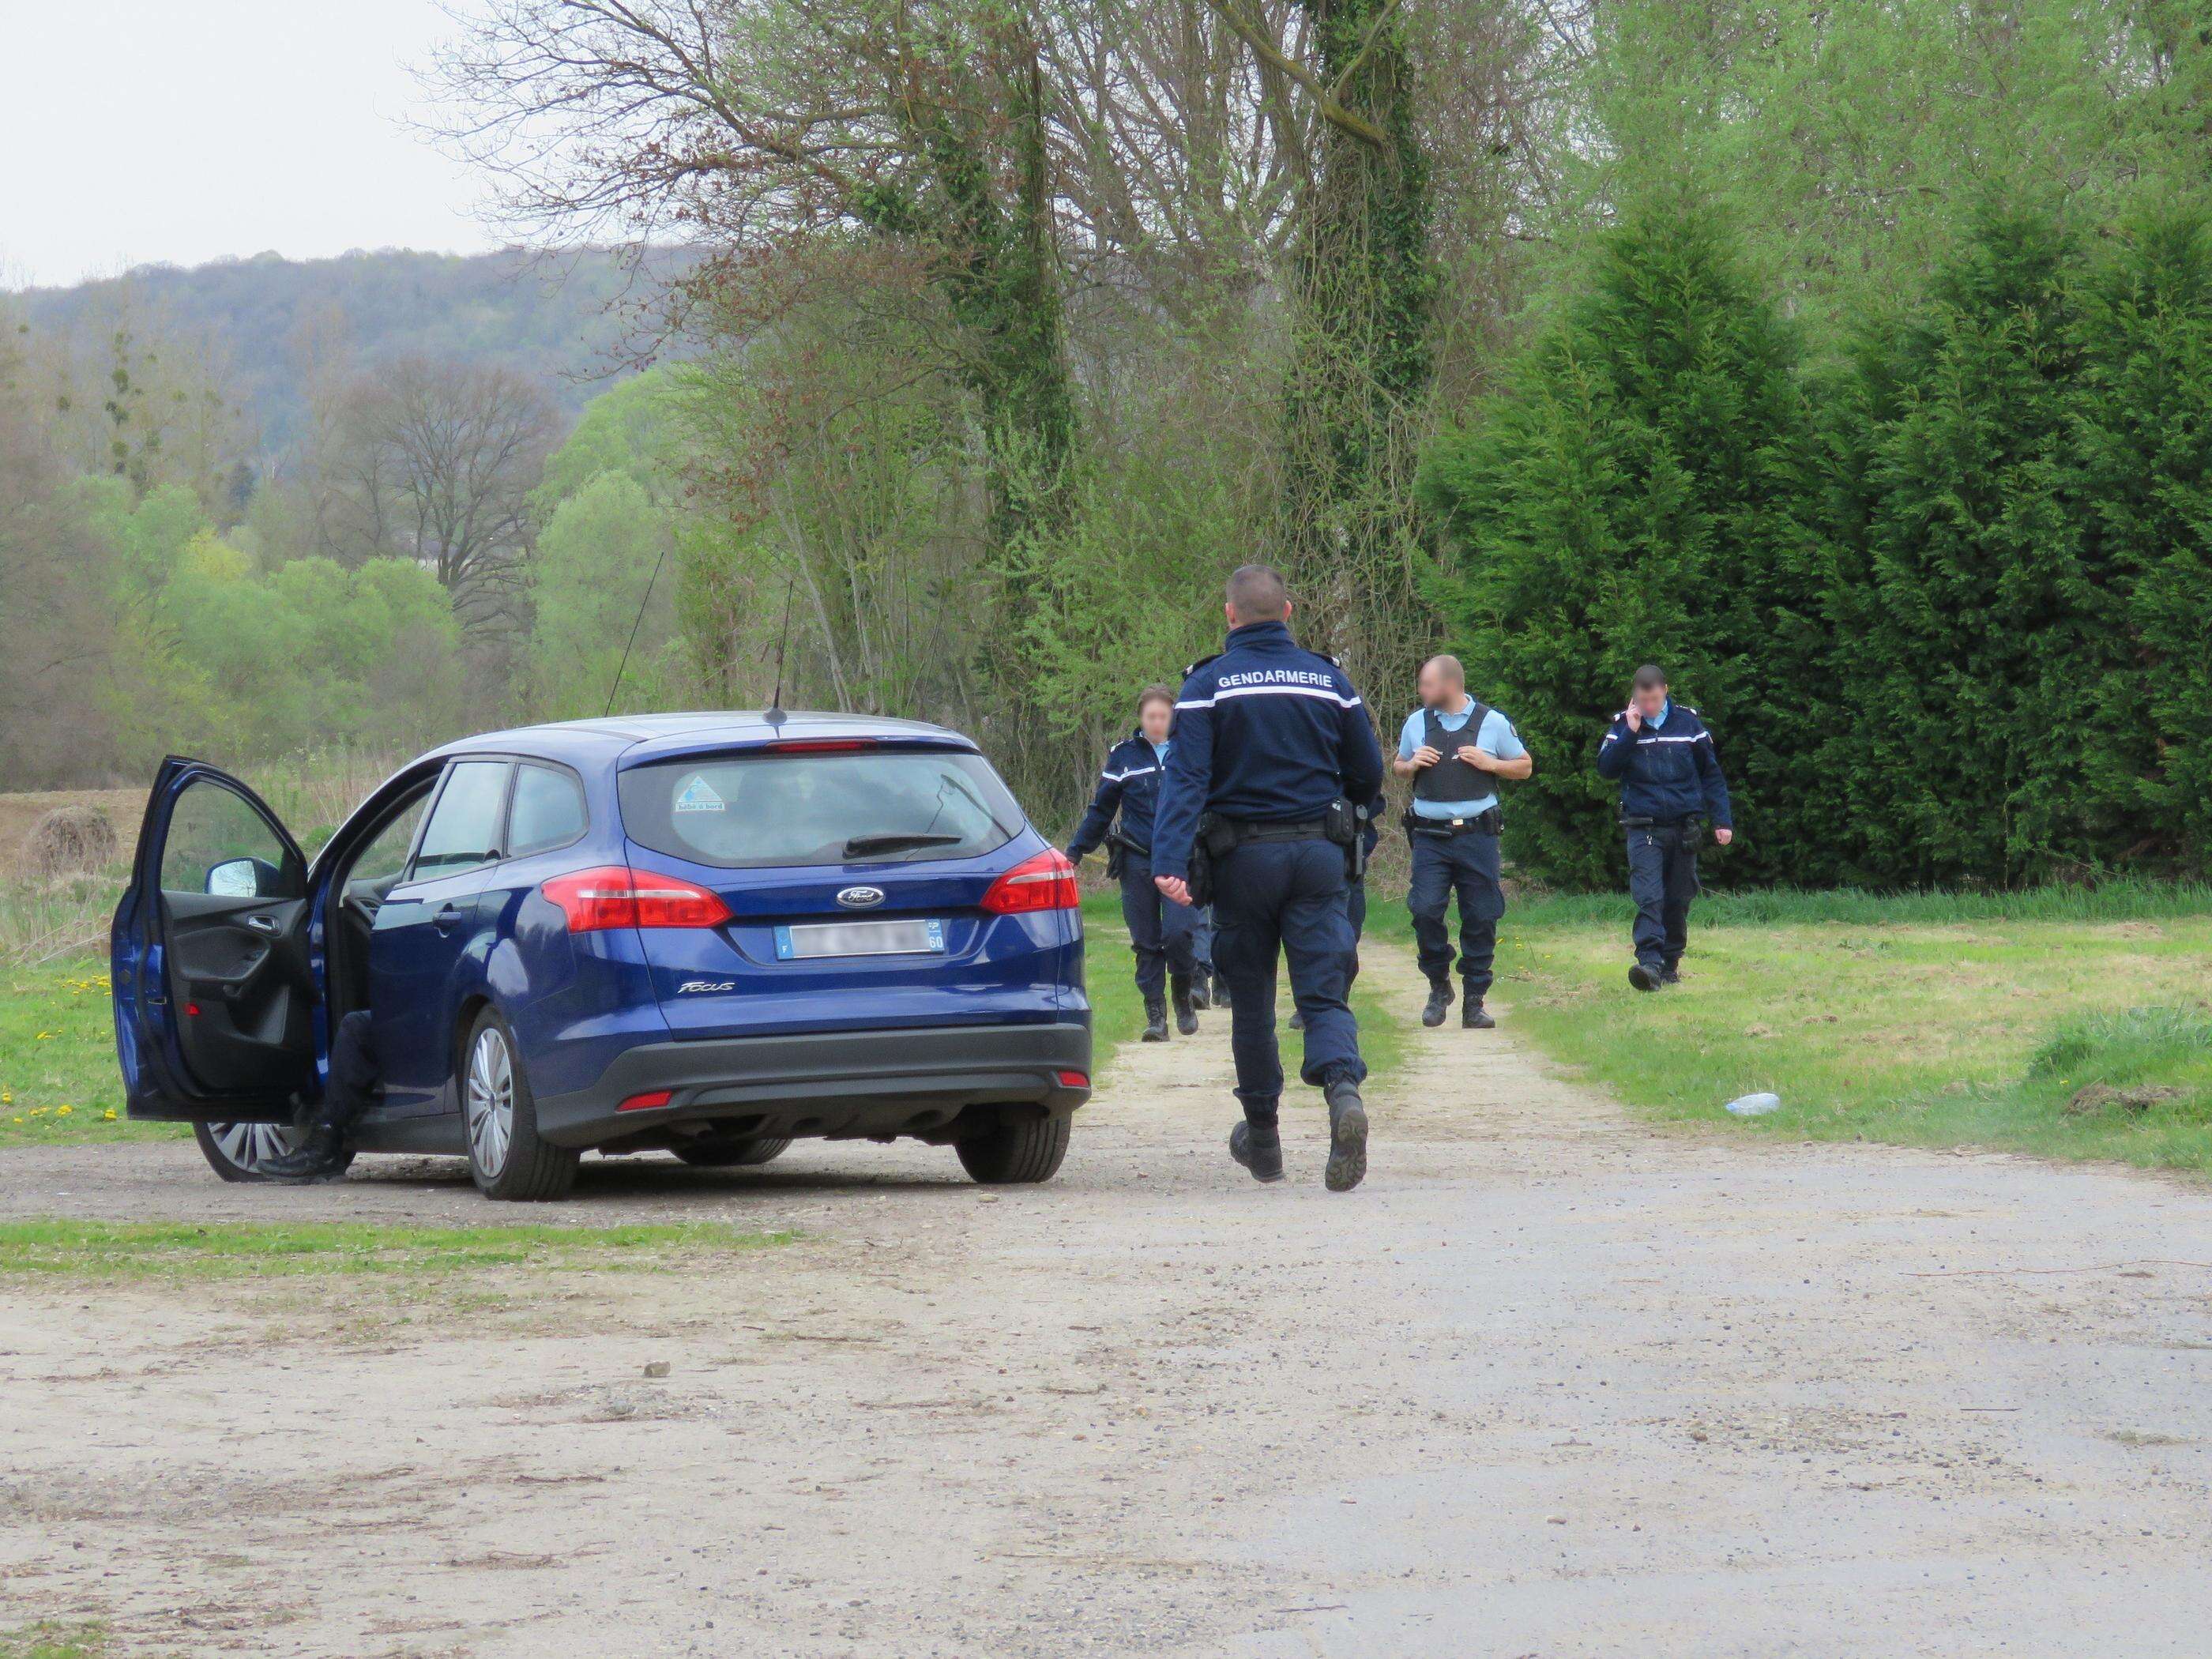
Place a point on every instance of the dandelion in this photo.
(19, 1120)
(64, 1111)
(7, 1097)
(38, 1111)
(43, 1035)
(107, 1116)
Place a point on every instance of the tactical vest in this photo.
(1452, 778)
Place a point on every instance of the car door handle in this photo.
(448, 918)
(262, 924)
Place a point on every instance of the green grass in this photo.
(1934, 1020)
(50, 1641)
(2118, 900)
(58, 1080)
(168, 1250)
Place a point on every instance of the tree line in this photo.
(1943, 596)
(1009, 326)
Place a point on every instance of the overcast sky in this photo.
(182, 131)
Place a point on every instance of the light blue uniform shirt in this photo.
(1497, 737)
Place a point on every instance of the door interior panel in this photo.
(235, 961)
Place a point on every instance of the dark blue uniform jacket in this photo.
(1666, 771)
(1129, 784)
(1264, 732)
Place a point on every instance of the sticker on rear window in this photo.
(697, 795)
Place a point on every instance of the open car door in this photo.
(208, 956)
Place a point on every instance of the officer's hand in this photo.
(1425, 755)
(1723, 836)
(1481, 759)
(1635, 717)
(1175, 887)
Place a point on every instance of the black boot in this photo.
(1440, 1002)
(1347, 1136)
(1186, 1015)
(1670, 975)
(1260, 1151)
(1297, 1020)
(1220, 992)
(1471, 1017)
(1201, 987)
(1156, 1019)
(1644, 979)
(321, 1157)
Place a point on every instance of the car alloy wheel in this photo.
(490, 1101)
(249, 1146)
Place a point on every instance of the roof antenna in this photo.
(615, 685)
(775, 716)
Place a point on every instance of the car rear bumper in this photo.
(930, 1083)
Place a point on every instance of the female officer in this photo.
(1159, 931)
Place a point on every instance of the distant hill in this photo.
(573, 320)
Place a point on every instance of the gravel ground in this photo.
(1549, 1383)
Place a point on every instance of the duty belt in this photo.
(1247, 831)
(1693, 821)
(1487, 822)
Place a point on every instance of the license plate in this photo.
(860, 939)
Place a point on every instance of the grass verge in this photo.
(2067, 1023)
(115, 1250)
(59, 1081)
(52, 1641)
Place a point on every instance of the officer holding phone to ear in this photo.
(1660, 753)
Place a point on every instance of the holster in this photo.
(1118, 849)
(1345, 824)
(1215, 840)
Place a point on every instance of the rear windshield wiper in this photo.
(897, 842)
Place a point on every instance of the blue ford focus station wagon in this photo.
(710, 935)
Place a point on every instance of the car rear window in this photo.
(872, 806)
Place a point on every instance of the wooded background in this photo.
(1851, 362)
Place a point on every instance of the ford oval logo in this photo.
(860, 898)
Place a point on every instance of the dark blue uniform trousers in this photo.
(1662, 878)
(1284, 897)
(1160, 930)
(1465, 865)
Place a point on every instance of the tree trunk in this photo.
(1360, 367)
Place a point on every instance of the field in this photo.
(2068, 1024)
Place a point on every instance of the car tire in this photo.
(499, 1120)
(235, 1150)
(730, 1152)
(1024, 1150)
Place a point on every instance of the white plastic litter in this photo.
(1757, 1105)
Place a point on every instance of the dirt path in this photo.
(1549, 1385)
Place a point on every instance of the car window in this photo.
(548, 811)
(218, 844)
(463, 833)
(874, 806)
(385, 855)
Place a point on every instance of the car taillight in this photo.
(615, 896)
(1044, 882)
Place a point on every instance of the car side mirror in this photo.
(236, 878)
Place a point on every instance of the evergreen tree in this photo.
(1644, 489)
(1974, 650)
(2145, 437)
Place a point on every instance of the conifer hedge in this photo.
(1943, 600)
